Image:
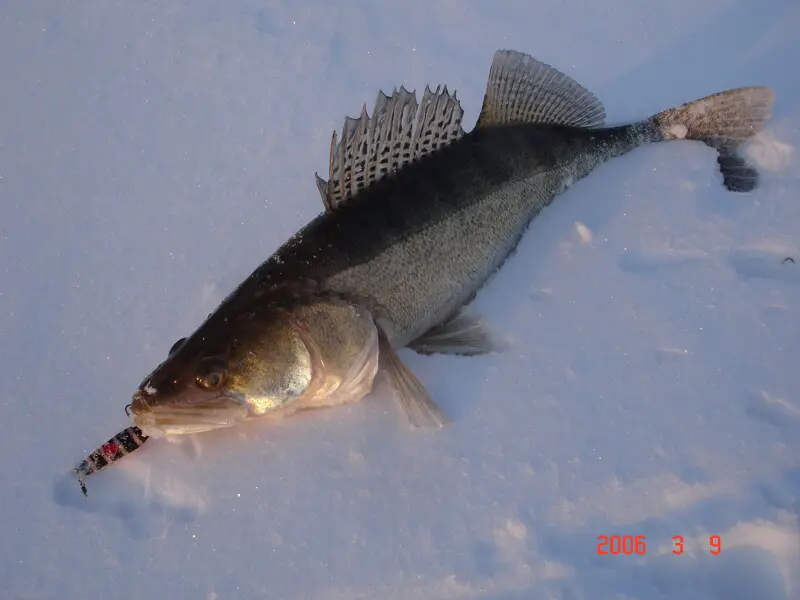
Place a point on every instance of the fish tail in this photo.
(723, 121)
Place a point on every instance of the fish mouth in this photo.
(158, 421)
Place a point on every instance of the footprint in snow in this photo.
(757, 264)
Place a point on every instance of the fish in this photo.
(417, 216)
(122, 444)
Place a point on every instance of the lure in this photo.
(122, 444)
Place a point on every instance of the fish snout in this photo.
(139, 405)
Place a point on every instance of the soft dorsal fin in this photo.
(399, 131)
(523, 90)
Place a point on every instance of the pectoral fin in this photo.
(414, 399)
(463, 334)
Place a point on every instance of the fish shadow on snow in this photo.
(144, 498)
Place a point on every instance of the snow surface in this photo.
(153, 154)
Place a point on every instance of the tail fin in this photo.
(723, 121)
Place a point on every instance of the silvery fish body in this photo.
(418, 215)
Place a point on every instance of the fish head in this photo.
(271, 359)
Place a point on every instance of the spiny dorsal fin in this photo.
(399, 132)
(523, 90)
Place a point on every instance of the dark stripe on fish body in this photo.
(423, 194)
(427, 192)
(430, 190)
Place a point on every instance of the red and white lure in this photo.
(122, 444)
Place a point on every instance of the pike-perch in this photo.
(418, 215)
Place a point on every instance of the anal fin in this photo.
(463, 335)
(414, 399)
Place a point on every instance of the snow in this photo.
(153, 154)
(677, 131)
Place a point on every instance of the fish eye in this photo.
(209, 381)
(176, 345)
(210, 374)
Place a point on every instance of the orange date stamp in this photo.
(630, 544)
